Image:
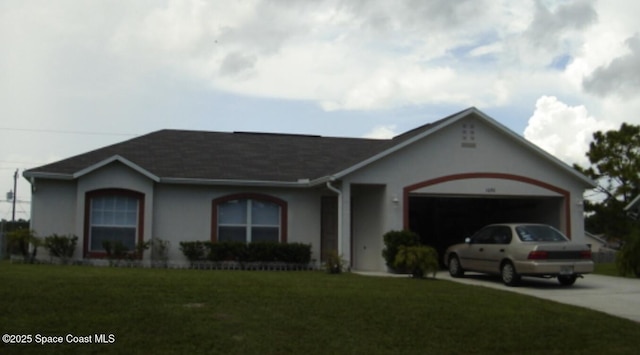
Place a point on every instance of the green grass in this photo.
(610, 269)
(154, 311)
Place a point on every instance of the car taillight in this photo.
(585, 254)
(538, 255)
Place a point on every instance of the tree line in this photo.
(614, 164)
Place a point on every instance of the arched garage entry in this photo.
(445, 210)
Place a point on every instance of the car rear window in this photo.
(534, 233)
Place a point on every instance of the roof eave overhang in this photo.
(399, 146)
(588, 182)
(29, 175)
(116, 158)
(300, 183)
(635, 203)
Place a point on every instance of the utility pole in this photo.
(15, 196)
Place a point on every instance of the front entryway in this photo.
(367, 220)
(328, 226)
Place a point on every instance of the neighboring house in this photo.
(596, 242)
(602, 242)
(442, 180)
(602, 250)
(633, 208)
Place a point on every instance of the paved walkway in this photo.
(616, 296)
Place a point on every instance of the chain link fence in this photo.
(605, 256)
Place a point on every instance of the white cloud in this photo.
(608, 47)
(621, 77)
(562, 130)
(360, 55)
(356, 55)
(228, 65)
(382, 132)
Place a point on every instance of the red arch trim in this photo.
(408, 189)
(252, 196)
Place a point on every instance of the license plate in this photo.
(566, 270)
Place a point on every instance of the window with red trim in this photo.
(249, 218)
(115, 216)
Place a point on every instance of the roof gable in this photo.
(425, 131)
(115, 158)
(177, 156)
(195, 156)
(634, 204)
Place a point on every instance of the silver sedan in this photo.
(515, 250)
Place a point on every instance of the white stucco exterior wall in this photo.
(442, 154)
(184, 213)
(172, 212)
(53, 208)
(372, 197)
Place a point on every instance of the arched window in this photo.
(249, 218)
(113, 215)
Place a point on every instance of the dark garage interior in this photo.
(441, 221)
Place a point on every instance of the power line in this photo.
(35, 130)
(14, 162)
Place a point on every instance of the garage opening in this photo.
(441, 221)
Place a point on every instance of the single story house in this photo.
(443, 180)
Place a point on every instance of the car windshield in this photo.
(533, 233)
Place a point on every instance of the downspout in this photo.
(339, 192)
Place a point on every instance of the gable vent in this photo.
(468, 135)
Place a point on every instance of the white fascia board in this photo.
(120, 159)
(229, 182)
(593, 236)
(538, 150)
(43, 175)
(633, 203)
(397, 147)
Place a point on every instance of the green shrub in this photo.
(334, 264)
(628, 258)
(25, 242)
(195, 251)
(419, 260)
(295, 253)
(160, 250)
(393, 240)
(116, 251)
(262, 251)
(228, 251)
(61, 246)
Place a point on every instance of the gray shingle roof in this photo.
(181, 154)
(229, 156)
(244, 157)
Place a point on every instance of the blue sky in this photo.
(76, 76)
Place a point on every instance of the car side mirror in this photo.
(467, 240)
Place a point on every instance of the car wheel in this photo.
(455, 269)
(509, 275)
(567, 280)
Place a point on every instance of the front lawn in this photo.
(607, 269)
(610, 269)
(156, 311)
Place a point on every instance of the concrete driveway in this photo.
(616, 296)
